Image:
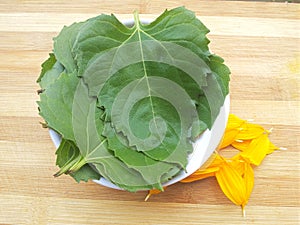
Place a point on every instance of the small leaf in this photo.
(152, 170)
(47, 65)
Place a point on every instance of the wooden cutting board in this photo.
(259, 42)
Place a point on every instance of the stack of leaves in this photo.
(235, 175)
(129, 100)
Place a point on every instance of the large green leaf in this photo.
(139, 80)
(63, 46)
(93, 147)
(129, 169)
(56, 104)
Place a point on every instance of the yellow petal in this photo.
(241, 145)
(236, 179)
(232, 184)
(257, 150)
(203, 173)
(249, 180)
(238, 129)
(234, 122)
(228, 138)
(210, 161)
(200, 174)
(215, 161)
(249, 131)
(237, 162)
(152, 192)
(248, 177)
(243, 166)
(272, 148)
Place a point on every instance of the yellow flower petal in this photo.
(249, 131)
(152, 192)
(232, 129)
(232, 184)
(228, 138)
(243, 166)
(234, 122)
(238, 129)
(272, 148)
(237, 162)
(248, 177)
(203, 173)
(236, 179)
(241, 145)
(200, 175)
(257, 150)
(249, 180)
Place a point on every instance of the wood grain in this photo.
(259, 42)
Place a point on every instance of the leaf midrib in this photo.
(138, 29)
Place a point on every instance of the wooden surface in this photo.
(259, 42)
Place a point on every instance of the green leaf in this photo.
(123, 177)
(153, 171)
(141, 81)
(180, 26)
(51, 75)
(136, 113)
(222, 72)
(47, 65)
(56, 104)
(67, 154)
(97, 35)
(93, 147)
(63, 46)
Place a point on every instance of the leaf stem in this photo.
(136, 18)
(78, 165)
(71, 166)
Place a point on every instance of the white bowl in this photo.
(203, 147)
